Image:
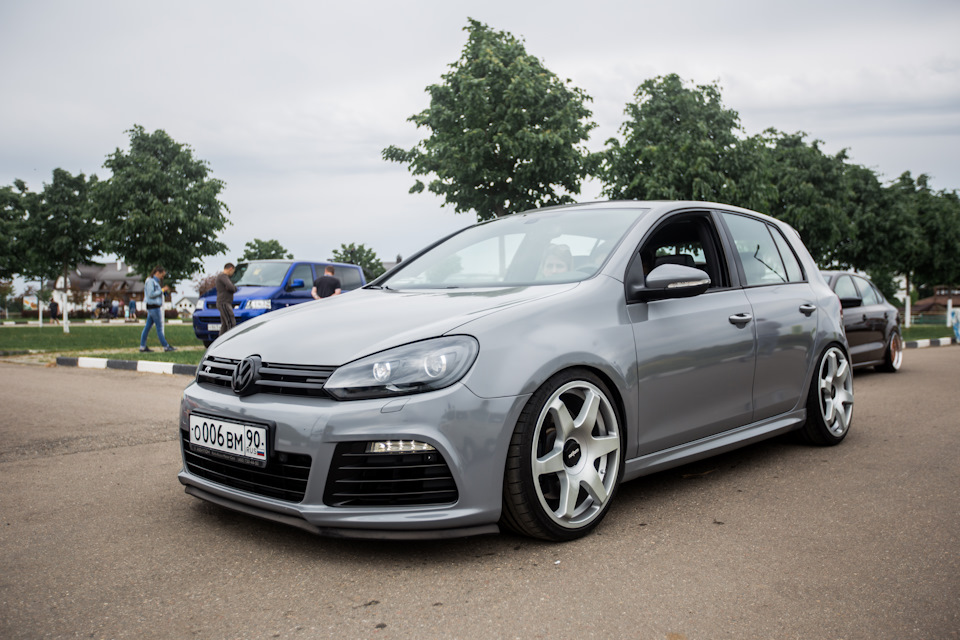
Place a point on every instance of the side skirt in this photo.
(713, 445)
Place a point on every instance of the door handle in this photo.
(741, 319)
(807, 309)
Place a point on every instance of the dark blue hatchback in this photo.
(265, 285)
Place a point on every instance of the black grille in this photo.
(284, 477)
(360, 479)
(285, 379)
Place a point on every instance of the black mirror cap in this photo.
(668, 281)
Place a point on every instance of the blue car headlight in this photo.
(259, 304)
(413, 368)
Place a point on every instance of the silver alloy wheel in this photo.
(576, 454)
(835, 380)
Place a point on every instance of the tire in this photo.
(560, 488)
(893, 357)
(207, 343)
(830, 402)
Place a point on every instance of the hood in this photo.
(338, 330)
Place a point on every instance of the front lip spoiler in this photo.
(340, 532)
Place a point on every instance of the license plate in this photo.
(240, 442)
(213, 327)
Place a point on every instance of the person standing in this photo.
(225, 291)
(153, 292)
(326, 285)
(54, 312)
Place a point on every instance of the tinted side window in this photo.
(794, 272)
(845, 288)
(301, 272)
(349, 278)
(758, 251)
(869, 294)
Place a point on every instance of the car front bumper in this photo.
(470, 433)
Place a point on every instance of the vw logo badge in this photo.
(245, 376)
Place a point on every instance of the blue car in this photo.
(266, 285)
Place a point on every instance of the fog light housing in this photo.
(399, 446)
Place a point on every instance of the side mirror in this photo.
(850, 303)
(667, 281)
(296, 284)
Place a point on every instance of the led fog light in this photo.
(398, 446)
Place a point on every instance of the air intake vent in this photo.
(284, 477)
(360, 479)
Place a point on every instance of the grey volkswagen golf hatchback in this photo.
(513, 374)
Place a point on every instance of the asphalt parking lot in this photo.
(778, 540)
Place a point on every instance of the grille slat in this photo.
(283, 480)
(360, 479)
(284, 379)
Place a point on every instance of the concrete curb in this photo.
(140, 366)
(933, 342)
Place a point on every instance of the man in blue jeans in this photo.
(153, 292)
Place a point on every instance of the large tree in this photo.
(60, 230)
(361, 256)
(12, 214)
(679, 143)
(258, 249)
(810, 190)
(160, 206)
(506, 134)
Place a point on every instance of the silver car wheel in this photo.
(835, 380)
(576, 454)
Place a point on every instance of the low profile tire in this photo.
(893, 357)
(565, 459)
(830, 402)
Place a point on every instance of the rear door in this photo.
(874, 315)
(784, 312)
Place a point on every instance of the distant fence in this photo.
(939, 319)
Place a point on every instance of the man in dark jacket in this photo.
(225, 291)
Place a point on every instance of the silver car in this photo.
(513, 374)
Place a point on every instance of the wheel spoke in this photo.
(593, 483)
(548, 464)
(569, 490)
(562, 419)
(597, 447)
(587, 418)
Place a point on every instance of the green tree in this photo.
(679, 143)
(505, 133)
(359, 255)
(160, 206)
(810, 190)
(60, 230)
(259, 249)
(12, 214)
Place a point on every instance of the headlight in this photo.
(199, 305)
(413, 368)
(258, 304)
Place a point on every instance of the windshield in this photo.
(260, 274)
(522, 249)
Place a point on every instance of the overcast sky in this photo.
(291, 102)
